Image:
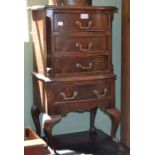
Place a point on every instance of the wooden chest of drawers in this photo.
(73, 68)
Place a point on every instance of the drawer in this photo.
(81, 44)
(77, 21)
(81, 65)
(99, 89)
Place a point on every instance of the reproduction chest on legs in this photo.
(73, 68)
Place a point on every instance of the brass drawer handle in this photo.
(84, 27)
(84, 49)
(96, 92)
(90, 65)
(75, 94)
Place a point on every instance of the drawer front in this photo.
(99, 89)
(81, 65)
(81, 44)
(66, 22)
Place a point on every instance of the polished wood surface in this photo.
(96, 22)
(86, 44)
(78, 68)
(80, 65)
(125, 128)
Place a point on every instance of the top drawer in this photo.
(78, 21)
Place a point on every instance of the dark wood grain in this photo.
(78, 70)
(80, 65)
(98, 21)
(83, 44)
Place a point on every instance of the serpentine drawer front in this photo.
(81, 21)
(73, 68)
(82, 44)
(83, 95)
(81, 65)
(83, 91)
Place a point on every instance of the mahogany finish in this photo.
(73, 68)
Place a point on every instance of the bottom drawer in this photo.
(84, 95)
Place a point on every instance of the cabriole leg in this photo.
(48, 125)
(35, 112)
(92, 120)
(114, 114)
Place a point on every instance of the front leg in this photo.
(48, 125)
(35, 112)
(114, 114)
(92, 121)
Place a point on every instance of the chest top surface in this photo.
(53, 7)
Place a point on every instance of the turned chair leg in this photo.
(92, 129)
(35, 112)
(48, 125)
